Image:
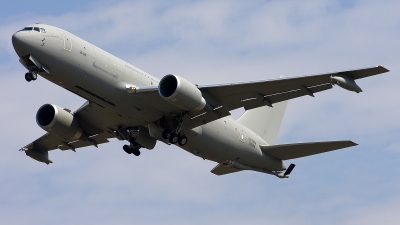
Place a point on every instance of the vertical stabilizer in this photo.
(265, 121)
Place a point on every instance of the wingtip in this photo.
(349, 143)
(384, 69)
(354, 144)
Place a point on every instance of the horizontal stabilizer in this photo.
(297, 150)
(222, 169)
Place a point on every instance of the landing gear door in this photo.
(67, 42)
(144, 138)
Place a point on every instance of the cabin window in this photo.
(36, 29)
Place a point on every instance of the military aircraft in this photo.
(129, 104)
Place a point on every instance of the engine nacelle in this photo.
(58, 121)
(181, 93)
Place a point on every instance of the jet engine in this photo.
(181, 93)
(58, 121)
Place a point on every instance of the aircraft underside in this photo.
(126, 103)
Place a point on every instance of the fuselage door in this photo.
(67, 42)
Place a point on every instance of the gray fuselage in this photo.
(92, 73)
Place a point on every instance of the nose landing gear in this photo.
(30, 76)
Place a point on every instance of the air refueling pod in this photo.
(346, 82)
(41, 156)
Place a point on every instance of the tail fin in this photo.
(265, 121)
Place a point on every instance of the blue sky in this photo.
(213, 42)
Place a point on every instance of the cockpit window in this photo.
(41, 30)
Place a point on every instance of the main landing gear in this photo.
(173, 129)
(133, 147)
(174, 137)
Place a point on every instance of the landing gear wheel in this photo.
(182, 140)
(166, 134)
(174, 138)
(136, 152)
(33, 75)
(127, 149)
(28, 77)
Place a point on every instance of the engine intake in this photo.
(181, 93)
(58, 121)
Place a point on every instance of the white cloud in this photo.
(210, 42)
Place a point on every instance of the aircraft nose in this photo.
(19, 41)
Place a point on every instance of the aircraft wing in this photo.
(92, 119)
(50, 142)
(259, 93)
(229, 96)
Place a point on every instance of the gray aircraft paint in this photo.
(265, 121)
(101, 78)
(100, 75)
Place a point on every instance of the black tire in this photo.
(127, 149)
(28, 77)
(166, 134)
(182, 140)
(173, 139)
(136, 152)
